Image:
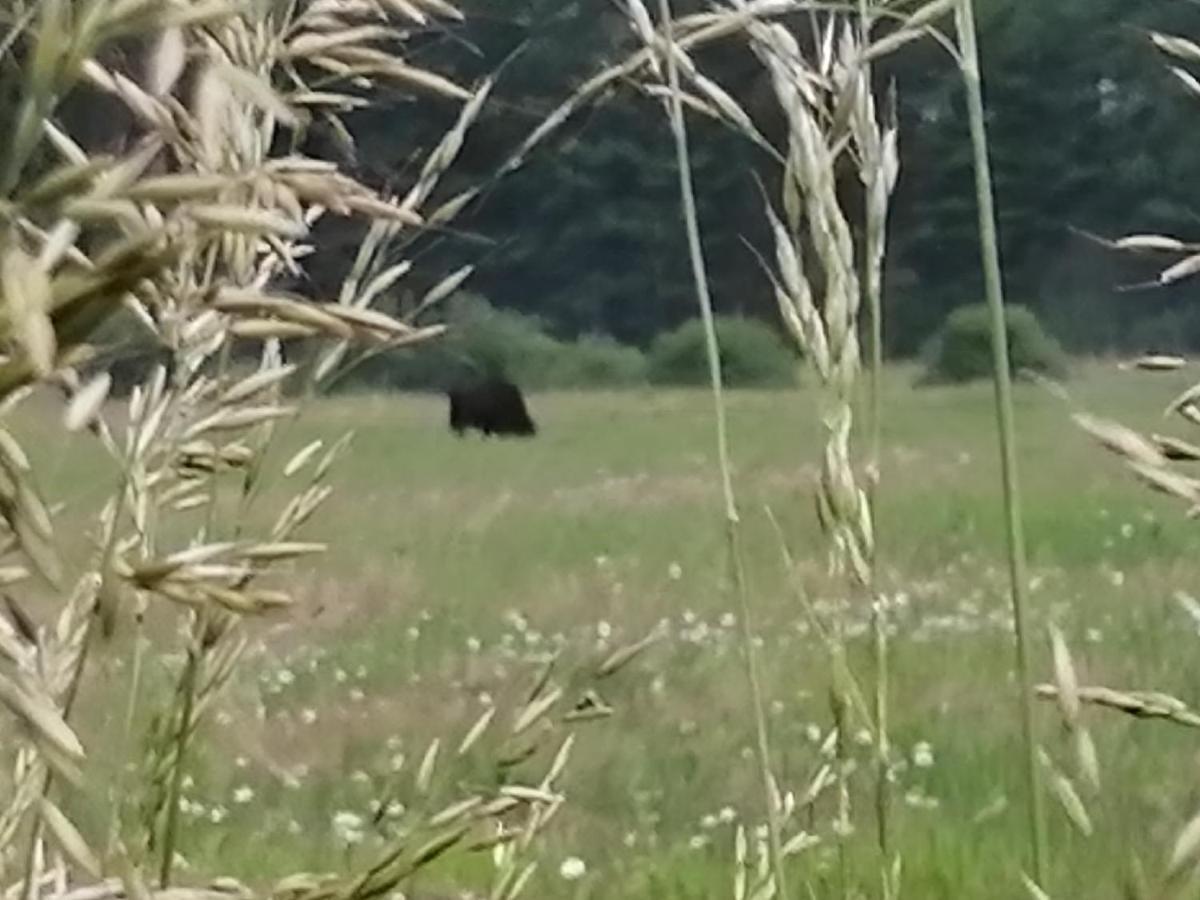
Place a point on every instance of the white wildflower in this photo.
(348, 827)
(917, 799)
(922, 755)
(573, 868)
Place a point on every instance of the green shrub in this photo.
(500, 341)
(480, 339)
(752, 355)
(962, 350)
(597, 361)
(483, 339)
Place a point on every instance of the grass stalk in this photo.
(187, 690)
(37, 833)
(732, 522)
(882, 744)
(837, 702)
(126, 739)
(873, 283)
(989, 248)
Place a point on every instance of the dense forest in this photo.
(1084, 125)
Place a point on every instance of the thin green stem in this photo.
(882, 781)
(187, 689)
(131, 706)
(873, 281)
(837, 702)
(989, 249)
(737, 571)
(214, 477)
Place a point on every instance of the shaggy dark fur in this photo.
(491, 406)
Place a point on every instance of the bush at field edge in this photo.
(961, 350)
(752, 355)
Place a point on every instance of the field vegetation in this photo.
(810, 631)
(599, 532)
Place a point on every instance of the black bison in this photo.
(491, 406)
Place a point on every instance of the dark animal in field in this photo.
(491, 406)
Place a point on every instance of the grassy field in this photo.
(458, 565)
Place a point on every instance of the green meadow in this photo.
(458, 567)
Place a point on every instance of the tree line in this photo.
(1089, 136)
(1088, 129)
